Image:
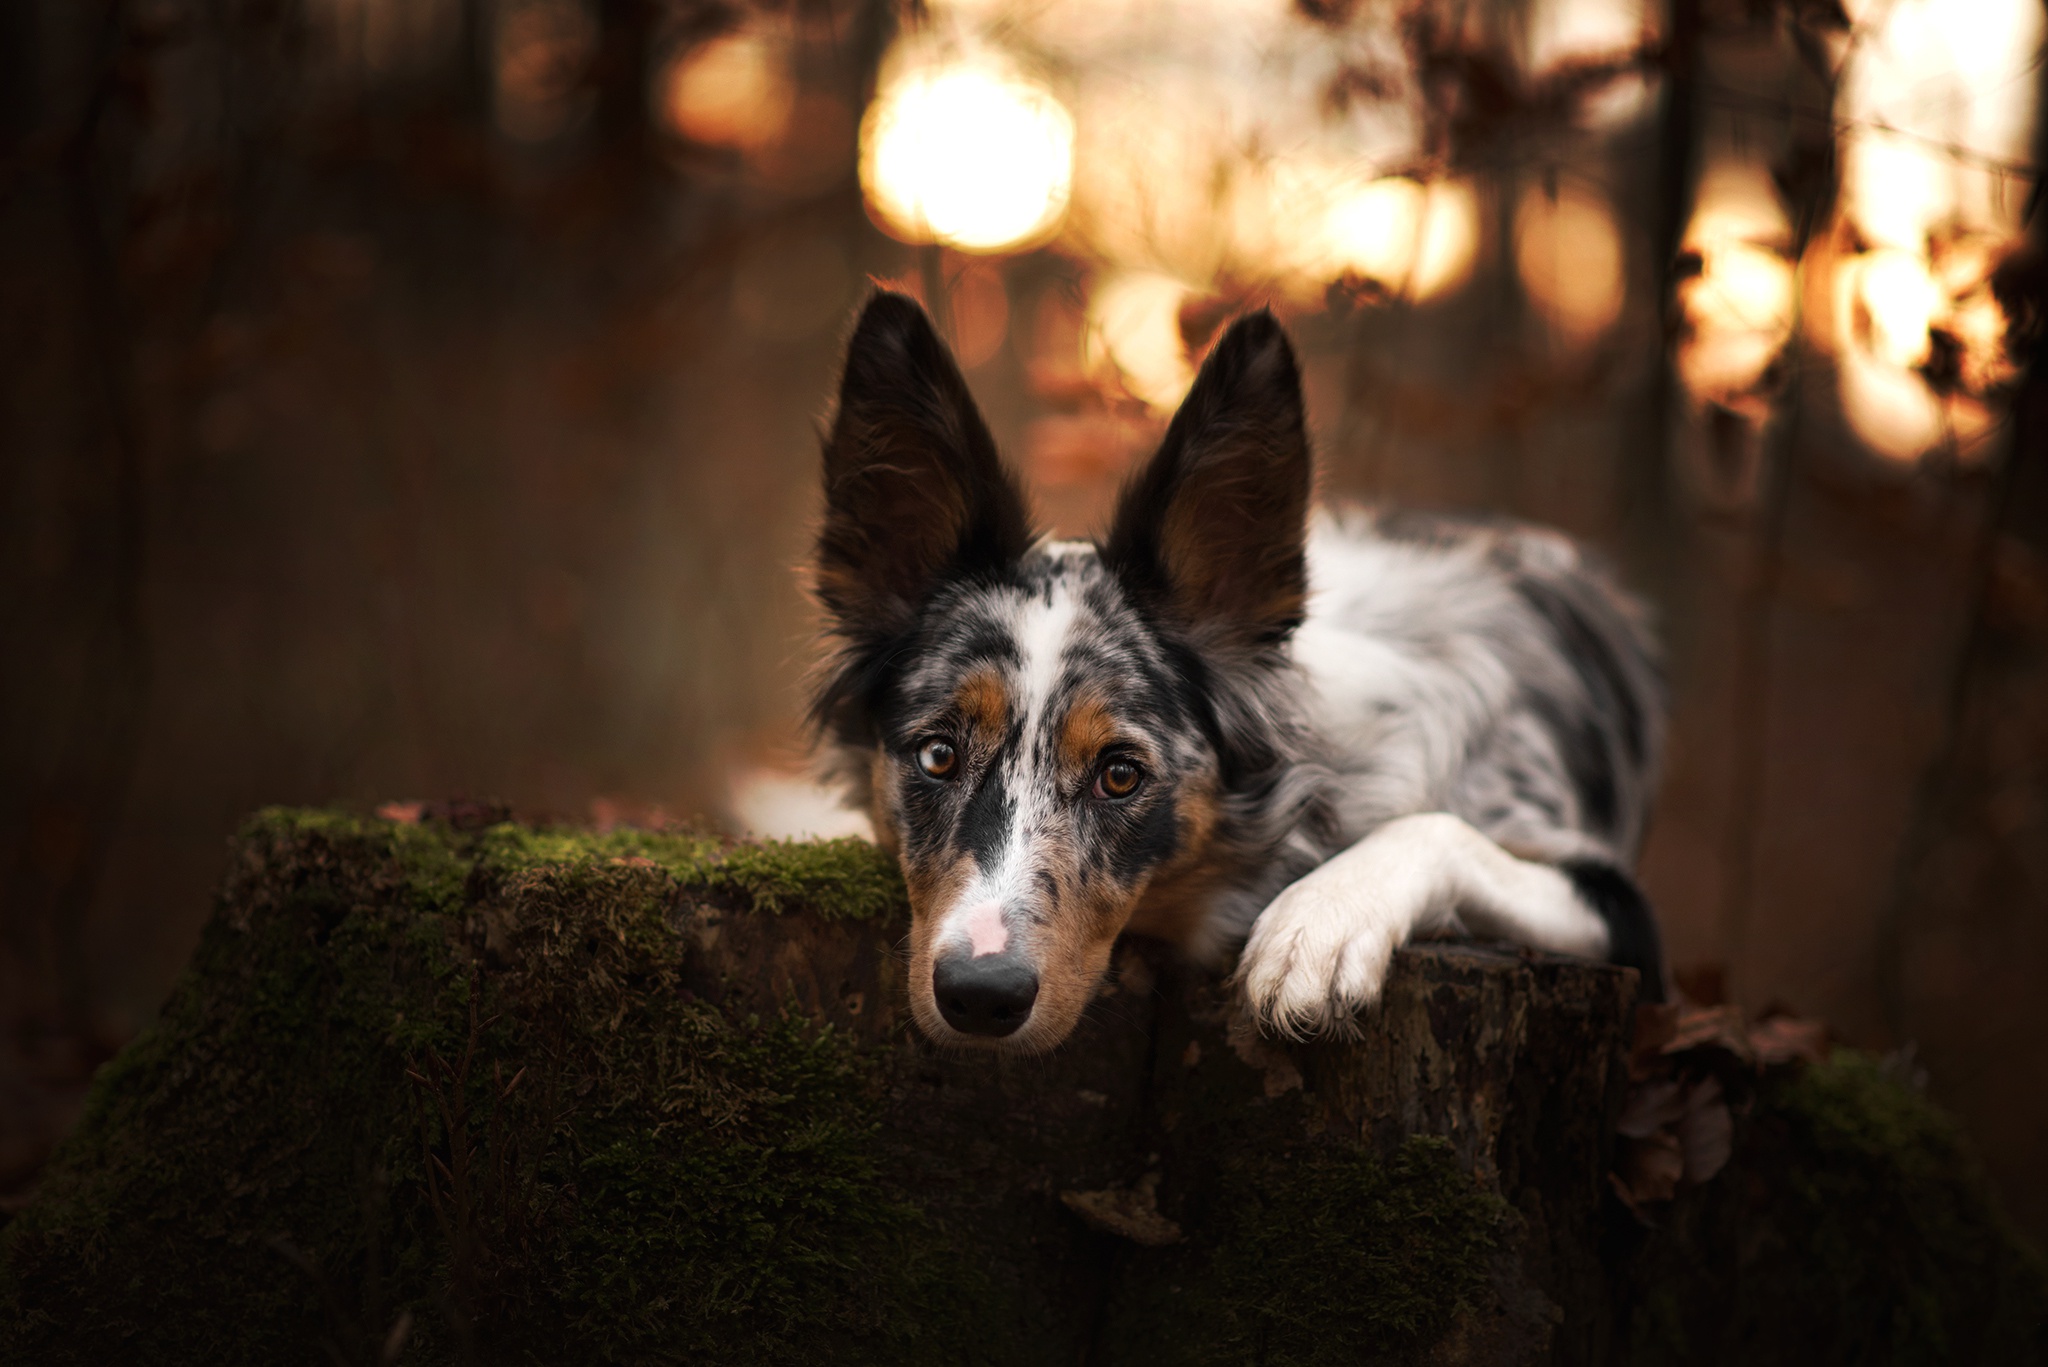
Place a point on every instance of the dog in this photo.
(1231, 721)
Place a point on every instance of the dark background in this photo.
(396, 403)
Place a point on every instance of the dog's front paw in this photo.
(1317, 955)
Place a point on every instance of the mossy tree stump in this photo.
(508, 1095)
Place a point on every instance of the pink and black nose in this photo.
(984, 994)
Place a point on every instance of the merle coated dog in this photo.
(1231, 721)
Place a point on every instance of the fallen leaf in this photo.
(1650, 1168)
(1784, 1039)
(1706, 1132)
(1656, 1022)
(1131, 1213)
(1652, 1106)
(1710, 1027)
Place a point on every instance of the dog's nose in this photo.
(986, 994)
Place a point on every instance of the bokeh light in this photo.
(967, 154)
(979, 305)
(1937, 107)
(543, 49)
(1893, 306)
(1568, 252)
(1562, 31)
(1740, 305)
(1417, 240)
(733, 91)
(1134, 327)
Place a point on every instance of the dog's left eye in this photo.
(1118, 778)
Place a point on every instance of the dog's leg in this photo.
(1320, 950)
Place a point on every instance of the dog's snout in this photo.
(987, 994)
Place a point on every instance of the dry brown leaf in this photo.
(1655, 1025)
(1784, 1039)
(1131, 1213)
(1710, 1027)
(1650, 1168)
(1706, 1131)
(1651, 1107)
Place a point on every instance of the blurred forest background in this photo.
(415, 398)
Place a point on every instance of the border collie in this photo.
(1227, 722)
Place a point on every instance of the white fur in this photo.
(1413, 660)
(1321, 949)
(1042, 631)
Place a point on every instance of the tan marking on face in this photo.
(1068, 943)
(1070, 947)
(1175, 899)
(984, 701)
(1088, 730)
(934, 888)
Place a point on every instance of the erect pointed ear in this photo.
(1211, 533)
(914, 490)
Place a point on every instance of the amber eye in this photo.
(938, 758)
(1118, 778)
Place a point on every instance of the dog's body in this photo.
(1219, 725)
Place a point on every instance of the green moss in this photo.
(511, 847)
(847, 879)
(1334, 1255)
(1908, 1251)
(427, 860)
(1853, 1226)
(260, 1095)
(328, 1126)
(836, 880)
(1340, 1249)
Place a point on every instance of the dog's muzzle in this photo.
(984, 994)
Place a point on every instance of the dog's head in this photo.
(1053, 737)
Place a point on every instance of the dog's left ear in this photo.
(1211, 533)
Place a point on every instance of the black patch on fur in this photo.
(1247, 760)
(1633, 938)
(1584, 751)
(1606, 682)
(986, 822)
(1135, 840)
(1538, 797)
(984, 642)
(925, 804)
(1588, 746)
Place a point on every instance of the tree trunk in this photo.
(433, 1094)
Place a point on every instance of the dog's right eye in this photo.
(938, 758)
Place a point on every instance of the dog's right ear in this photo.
(914, 491)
